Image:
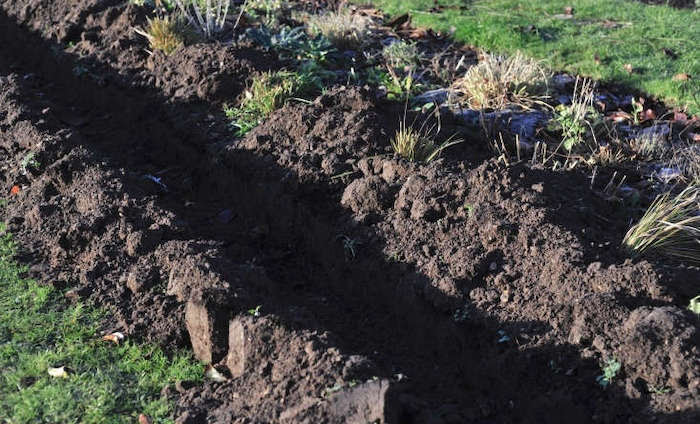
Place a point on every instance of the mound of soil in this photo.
(328, 280)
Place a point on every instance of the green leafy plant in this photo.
(266, 94)
(29, 161)
(499, 81)
(255, 312)
(267, 11)
(418, 144)
(670, 227)
(610, 370)
(574, 120)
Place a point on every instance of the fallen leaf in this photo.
(214, 375)
(59, 372)
(115, 337)
(629, 68)
(681, 77)
(14, 190)
(569, 10)
(648, 115)
(143, 419)
(620, 116)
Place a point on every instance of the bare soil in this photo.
(459, 291)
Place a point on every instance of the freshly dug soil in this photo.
(459, 291)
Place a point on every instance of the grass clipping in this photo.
(670, 227)
(497, 82)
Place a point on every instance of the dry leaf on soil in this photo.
(59, 372)
(214, 375)
(115, 337)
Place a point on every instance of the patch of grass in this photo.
(106, 383)
(600, 38)
(166, 34)
(418, 144)
(670, 227)
(267, 93)
(497, 82)
(345, 29)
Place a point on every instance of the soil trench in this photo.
(459, 291)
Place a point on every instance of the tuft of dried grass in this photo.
(345, 29)
(497, 82)
(166, 34)
(670, 227)
(418, 144)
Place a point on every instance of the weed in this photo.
(659, 390)
(349, 246)
(208, 16)
(497, 82)
(267, 11)
(650, 144)
(166, 34)
(610, 370)
(401, 55)
(575, 120)
(266, 94)
(694, 305)
(292, 43)
(29, 161)
(418, 144)
(345, 29)
(671, 226)
(255, 312)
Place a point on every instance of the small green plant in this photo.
(610, 370)
(574, 120)
(694, 305)
(401, 55)
(637, 109)
(498, 81)
(670, 227)
(350, 246)
(255, 312)
(418, 144)
(166, 34)
(267, 11)
(266, 94)
(29, 161)
(345, 29)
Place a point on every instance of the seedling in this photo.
(670, 227)
(255, 312)
(350, 246)
(694, 305)
(29, 161)
(503, 337)
(659, 390)
(401, 55)
(610, 370)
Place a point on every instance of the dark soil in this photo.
(459, 291)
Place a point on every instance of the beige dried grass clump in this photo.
(497, 82)
(166, 34)
(670, 227)
(345, 29)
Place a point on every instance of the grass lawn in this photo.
(106, 383)
(599, 40)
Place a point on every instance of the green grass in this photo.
(617, 32)
(106, 383)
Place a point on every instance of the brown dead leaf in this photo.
(648, 115)
(629, 68)
(213, 374)
(144, 419)
(569, 10)
(620, 116)
(681, 77)
(115, 337)
(14, 190)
